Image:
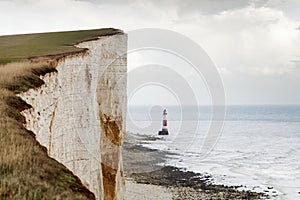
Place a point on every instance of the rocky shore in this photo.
(146, 179)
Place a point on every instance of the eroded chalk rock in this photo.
(79, 114)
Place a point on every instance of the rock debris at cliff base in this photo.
(142, 171)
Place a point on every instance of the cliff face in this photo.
(79, 114)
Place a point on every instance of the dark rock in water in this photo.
(163, 132)
(174, 177)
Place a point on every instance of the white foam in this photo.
(261, 156)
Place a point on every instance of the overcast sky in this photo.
(254, 44)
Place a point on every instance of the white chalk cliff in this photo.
(79, 114)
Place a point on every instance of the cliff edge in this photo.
(78, 112)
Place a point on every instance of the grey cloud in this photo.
(190, 6)
(118, 2)
(211, 7)
(289, 7)
(297, 63)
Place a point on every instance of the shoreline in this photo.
(144, 175)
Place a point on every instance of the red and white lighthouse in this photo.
(164, 130)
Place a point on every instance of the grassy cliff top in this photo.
(20, 47)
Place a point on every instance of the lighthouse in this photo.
(164, 130)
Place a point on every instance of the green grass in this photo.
(21, 47)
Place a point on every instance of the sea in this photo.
(256, 148)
